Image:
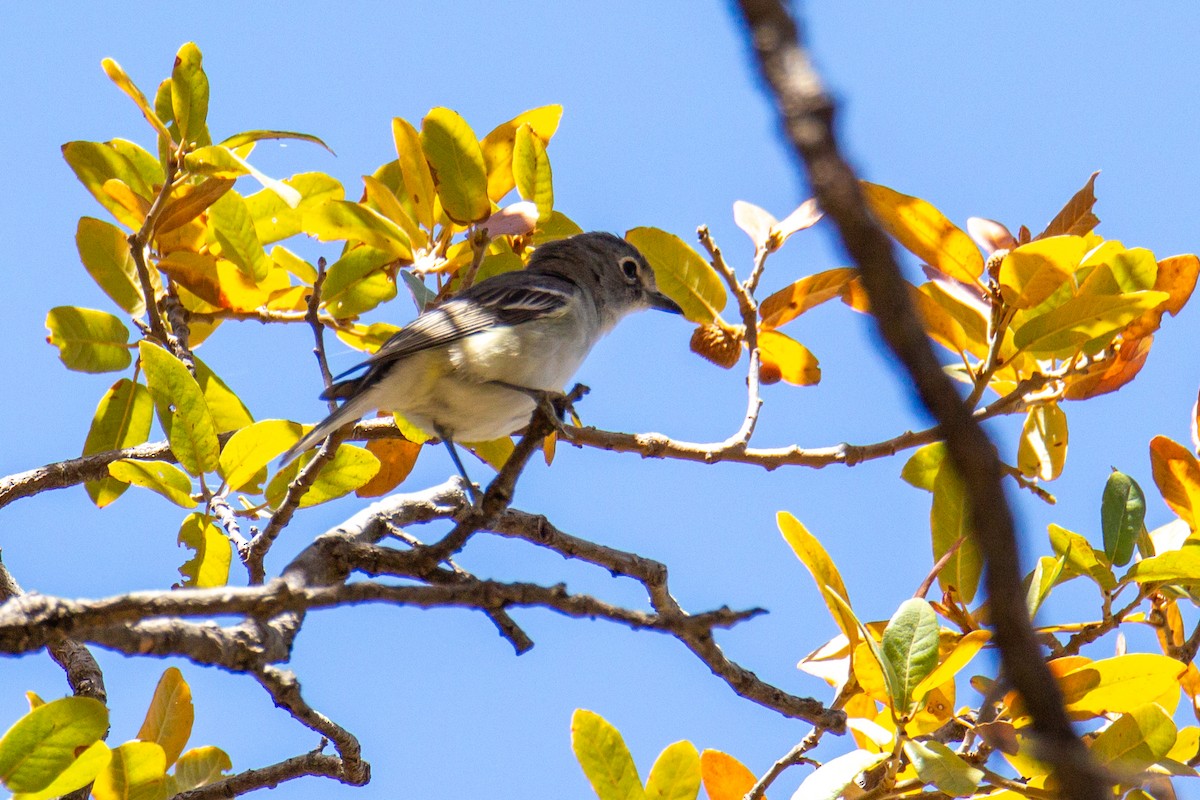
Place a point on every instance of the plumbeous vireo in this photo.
(470, 369)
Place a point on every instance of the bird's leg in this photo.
(555, 405)
(472, 489)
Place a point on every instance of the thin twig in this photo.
(313, 318)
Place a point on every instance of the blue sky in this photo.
(983, 110)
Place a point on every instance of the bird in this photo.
(474, 368)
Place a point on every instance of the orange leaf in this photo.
(790, 360)
(1076, 216)
(189, 201)
(1177, 474)
(925, 232)
(1177, 277)
(396, 460)
(1111, 373)
(806, 293)
(724, 777)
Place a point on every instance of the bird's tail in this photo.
(352, 409)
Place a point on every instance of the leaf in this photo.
(815, 558)
(43, 743)
(387, 204)
(1080, 320)
(805, 216)
(725, 778)
(1032, 272)
(1081, 558)
(209, 567)
(82, 771)
(605, 759)
(531, 171)
(1177, 277)
(990, 234)
(357, 283)
(341, 220)
(1135, 740)
(274, 219)
(201, 766)
(949, 523)
(161, 477)
(1043, 448)
(925, 232)
(122, 419)
(783, 356)
(681, 273)
(910, 645)
(397, 457)
(675, 774)
(831, 779)
(95, 163)
(181, 408)
(189, 96)
(1180, 567)
(418, 181)
(939, 765)
(169, 719)
(456, 162)
(189, 201)
(252, 448)
(1044, 578)
(498, 145)
(494, 453)
(1121, 684)
(923, 465)
(229, 219)
(803, 295)
(222, 162)
(1122, 517)
(1111, 268)
(350, 468)
(88, 340)
(137, 771)
(756, 222)
(1110, 374)
(228, 411)
(118, 76)
(1076, 217)
(1177, 475)
(104, 251)
(964, 650)
(247, 137)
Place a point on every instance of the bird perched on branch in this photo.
(474, 368)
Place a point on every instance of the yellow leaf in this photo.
(925, 232)
(1135, 740)
(815, 558)
(1121, 684)
(82, 771)
(531, 171)
(253, 447)
(783, 356)
(494, 453)
(43, 743)
(418, 181)
(210, 566)
(350, 468)
(1043, 448)
(1086, 323)
(1177, 277)
(605, 758)
(675, 774)
(104, 251)
(137, 771)
(94, 163)
(182, 409)
(681, 273)
(806, 293)
(189, 96)
(88, 340)
(389, 206)
(964, 650)
(169, 718)
(201, 766)
(122, 419)
(161, 477)
(1033, 272)
(1177, 475)
(117, 75)
(498, 145)
(950, 527)
(456, 162)
(341, 220)
(725, 778)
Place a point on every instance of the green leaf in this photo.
(938, 764)
(209, 566)
(531, 171)
(350, 468)
(498, 145)
(228, 411)
(1081, 558)
(182, 409)
(189, 96)
(1180, 567)
(82, 771)
(829, 781)
(161, 477)
(275, 220)
(170, 715)
(138, 771)
(1081, 320)
(94, 163)
(201, 766)
(104, 251)
(43, 743)
(675, 774)
(341, 220)
(922, 467)
(605, 759)
(949, 522)
(910, 645)
(357, 283)
(1044, 578)
(246, 137)
(147, 167)
(122, 419)
(89, 340)
(1111, 269)
(1122, 516)
(1135, 740)
(681, 273)
(254, 447)
(231, 224)
(457, 165)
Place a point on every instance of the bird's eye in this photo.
(630, 267)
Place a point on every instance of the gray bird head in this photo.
(612, 269)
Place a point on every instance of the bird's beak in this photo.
(662, 302)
